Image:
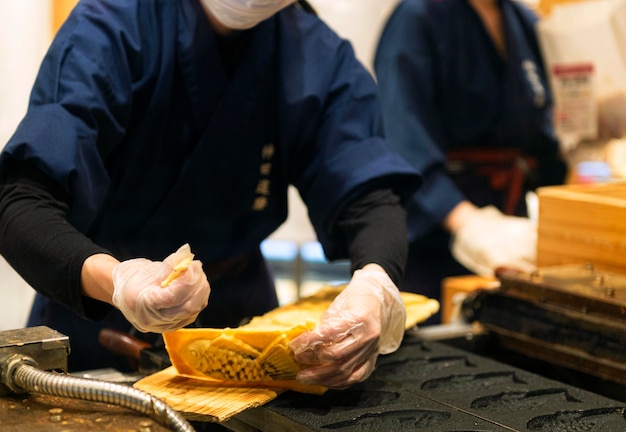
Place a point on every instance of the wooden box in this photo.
(583, 224)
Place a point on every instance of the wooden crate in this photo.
(581, 224)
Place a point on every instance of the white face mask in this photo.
(244, 14)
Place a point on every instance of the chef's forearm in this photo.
(96, 277)
(374, 227)
(457, 216)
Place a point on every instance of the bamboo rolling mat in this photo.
(202, 401)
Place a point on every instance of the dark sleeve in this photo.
(39, 243)
(374, 228)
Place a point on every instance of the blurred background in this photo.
(25, 33)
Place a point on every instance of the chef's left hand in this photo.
(366, 319)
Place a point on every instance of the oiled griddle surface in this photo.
(430, 386)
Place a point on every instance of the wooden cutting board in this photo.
(203, 401)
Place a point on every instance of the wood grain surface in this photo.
(202, 401)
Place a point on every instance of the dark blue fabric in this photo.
(444, 86)
(86, 353)
(134, 114)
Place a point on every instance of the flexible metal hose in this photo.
(27, 377)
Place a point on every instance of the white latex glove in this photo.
(366, 319)
(152, 308)
(488, 239)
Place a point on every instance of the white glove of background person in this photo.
(366, 319)
(152, 308)
(488, 239)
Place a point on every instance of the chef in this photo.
(154, 124)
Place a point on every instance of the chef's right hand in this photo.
(152, 308)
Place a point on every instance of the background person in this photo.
(465, 77)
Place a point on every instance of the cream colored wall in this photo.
(24, 38)
(359, 21)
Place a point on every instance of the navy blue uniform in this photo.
(443, 87)
(158, 141)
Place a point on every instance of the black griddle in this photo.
(434, 386)
(571, 316)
